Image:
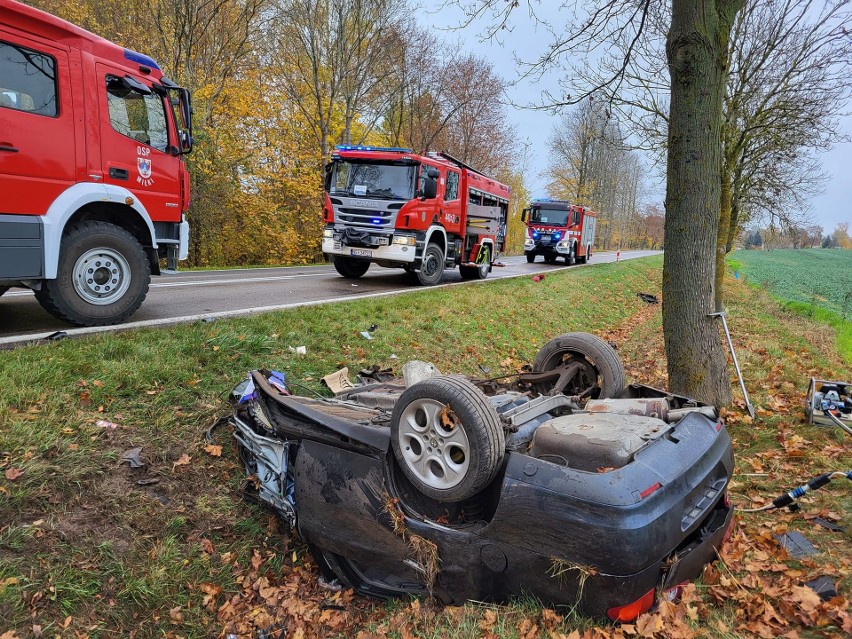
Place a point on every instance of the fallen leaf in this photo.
(206, 545)
(12, 474)
(183, 460)
(214, 450)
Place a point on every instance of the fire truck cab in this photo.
(422, 213)
(93, 184)
(557, 228)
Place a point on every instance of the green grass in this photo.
(813, 283)
(80, 537)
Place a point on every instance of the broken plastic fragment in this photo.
(103, 423)
(299, 350)
(338, 381)
(279, 381)
(132, 457)
(245, 390)
(366, 335)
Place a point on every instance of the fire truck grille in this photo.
(371, 219)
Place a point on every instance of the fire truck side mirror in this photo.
(524, 215)
(430, 188)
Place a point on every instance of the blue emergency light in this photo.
(386, 149)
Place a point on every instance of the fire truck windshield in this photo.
(360, 179)
(549, 216)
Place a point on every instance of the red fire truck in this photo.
(93, 185)
(422, 213)
(557, 228)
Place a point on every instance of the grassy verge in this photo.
(90, 547)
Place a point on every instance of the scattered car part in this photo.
(605, 540)
(832, 396)
(796, 544)
(736, 363)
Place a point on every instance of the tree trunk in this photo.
(695, 48)
(722, 239)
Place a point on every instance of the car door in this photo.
(37, 145)
(136, 142)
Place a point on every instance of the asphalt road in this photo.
(195, 295)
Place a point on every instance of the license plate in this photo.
(360, 253)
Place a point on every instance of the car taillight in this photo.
(728, 532)
(630, 611)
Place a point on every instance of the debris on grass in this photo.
(132, 456)
(560, 569)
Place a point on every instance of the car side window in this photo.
(452, 190)
(27, 80)
(137, 116)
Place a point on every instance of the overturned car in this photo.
(559, 482)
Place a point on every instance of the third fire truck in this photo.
(421, 213)
(557, 228)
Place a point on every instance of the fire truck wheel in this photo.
(478, 272)
(530, 258)
(447, 438)
(102, 277)
(432, 266)
(600, 373)
(351, 268)
(571, 258)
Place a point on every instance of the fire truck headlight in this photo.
(328, 232)
(405, 240)
(562, 245)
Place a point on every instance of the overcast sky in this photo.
(525, 40)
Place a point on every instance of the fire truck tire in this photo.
(102, 277)
(571, 258)
(478, 272)
(447, 438)
(530, 257)
(601, 368)
(351, 268)
(432, 266)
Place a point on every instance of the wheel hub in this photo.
(101, 276)
(437, 456)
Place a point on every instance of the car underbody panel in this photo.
(587, 509)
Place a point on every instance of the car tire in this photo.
(431, 266)
(349, 267)
(102, 276)
(478, 272)
(602, 372)
(447, 438)
(530, 258)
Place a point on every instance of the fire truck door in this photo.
(451, 208)
(37, 146)
(137, 142)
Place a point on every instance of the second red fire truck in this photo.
(557, 228)
(422, 213)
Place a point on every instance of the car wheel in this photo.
(447, 438)
(102, 276)
(431, 266)
(351, 268)
(594, 367)
(530, 258)
(481, 271)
